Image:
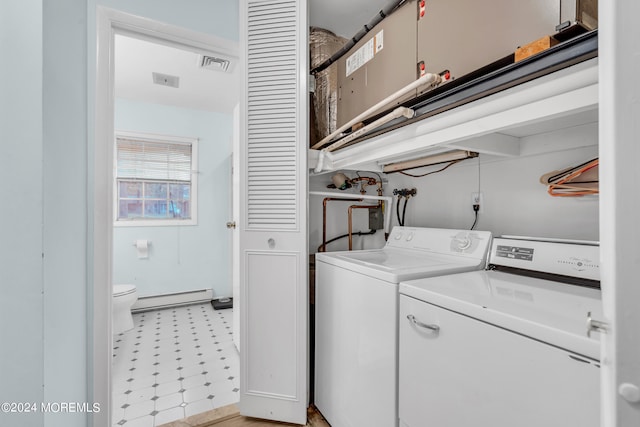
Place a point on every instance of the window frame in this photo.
(157, 138)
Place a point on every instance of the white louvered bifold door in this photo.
(273, 217)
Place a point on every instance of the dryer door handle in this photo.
(412, 319)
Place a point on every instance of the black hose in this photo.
(322, 248)
(387, 10)
(404, 209)
(475, 221)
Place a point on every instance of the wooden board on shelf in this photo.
(534, 47)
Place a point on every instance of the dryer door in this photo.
(456, 371)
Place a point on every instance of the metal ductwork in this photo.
(431, 36)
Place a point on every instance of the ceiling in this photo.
(343, 17)
(203, 89)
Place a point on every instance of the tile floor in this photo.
(174, 363)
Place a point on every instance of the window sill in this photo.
(155, 223)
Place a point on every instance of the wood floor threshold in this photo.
(229, 416)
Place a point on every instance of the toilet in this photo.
(124, 296)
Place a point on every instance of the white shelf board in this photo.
(491, 125)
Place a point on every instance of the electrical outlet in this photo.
(476, 199)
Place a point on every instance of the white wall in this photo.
(21, 263)
(65, 208)
(43, 127)
(514, 200)
(181, 258)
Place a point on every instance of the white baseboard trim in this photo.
(172, 300)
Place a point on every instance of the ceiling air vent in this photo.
(166, 80)
(214, 63)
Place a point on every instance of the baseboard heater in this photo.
(172, 300)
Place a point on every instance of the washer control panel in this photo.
(441, 240)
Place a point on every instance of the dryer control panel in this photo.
(567, 258)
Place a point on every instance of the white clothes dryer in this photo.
(356, 302)
(504, 347)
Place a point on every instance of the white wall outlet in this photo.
(476, 199)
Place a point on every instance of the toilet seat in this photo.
(121, 290)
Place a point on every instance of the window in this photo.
(155, 180)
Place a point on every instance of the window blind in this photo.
(152, 160)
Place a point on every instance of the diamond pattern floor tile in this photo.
(175, 362)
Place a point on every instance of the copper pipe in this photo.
(324, 218)
(366, 181)
(351, 208)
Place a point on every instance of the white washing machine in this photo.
(507, 346)
(356, 302)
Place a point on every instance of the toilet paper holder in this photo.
(142, 248)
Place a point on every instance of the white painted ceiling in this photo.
(201, 89)
(136, 60)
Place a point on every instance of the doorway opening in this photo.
(178, 265)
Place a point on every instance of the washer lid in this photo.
(395, 265)
(552, 312)
(120, 290)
